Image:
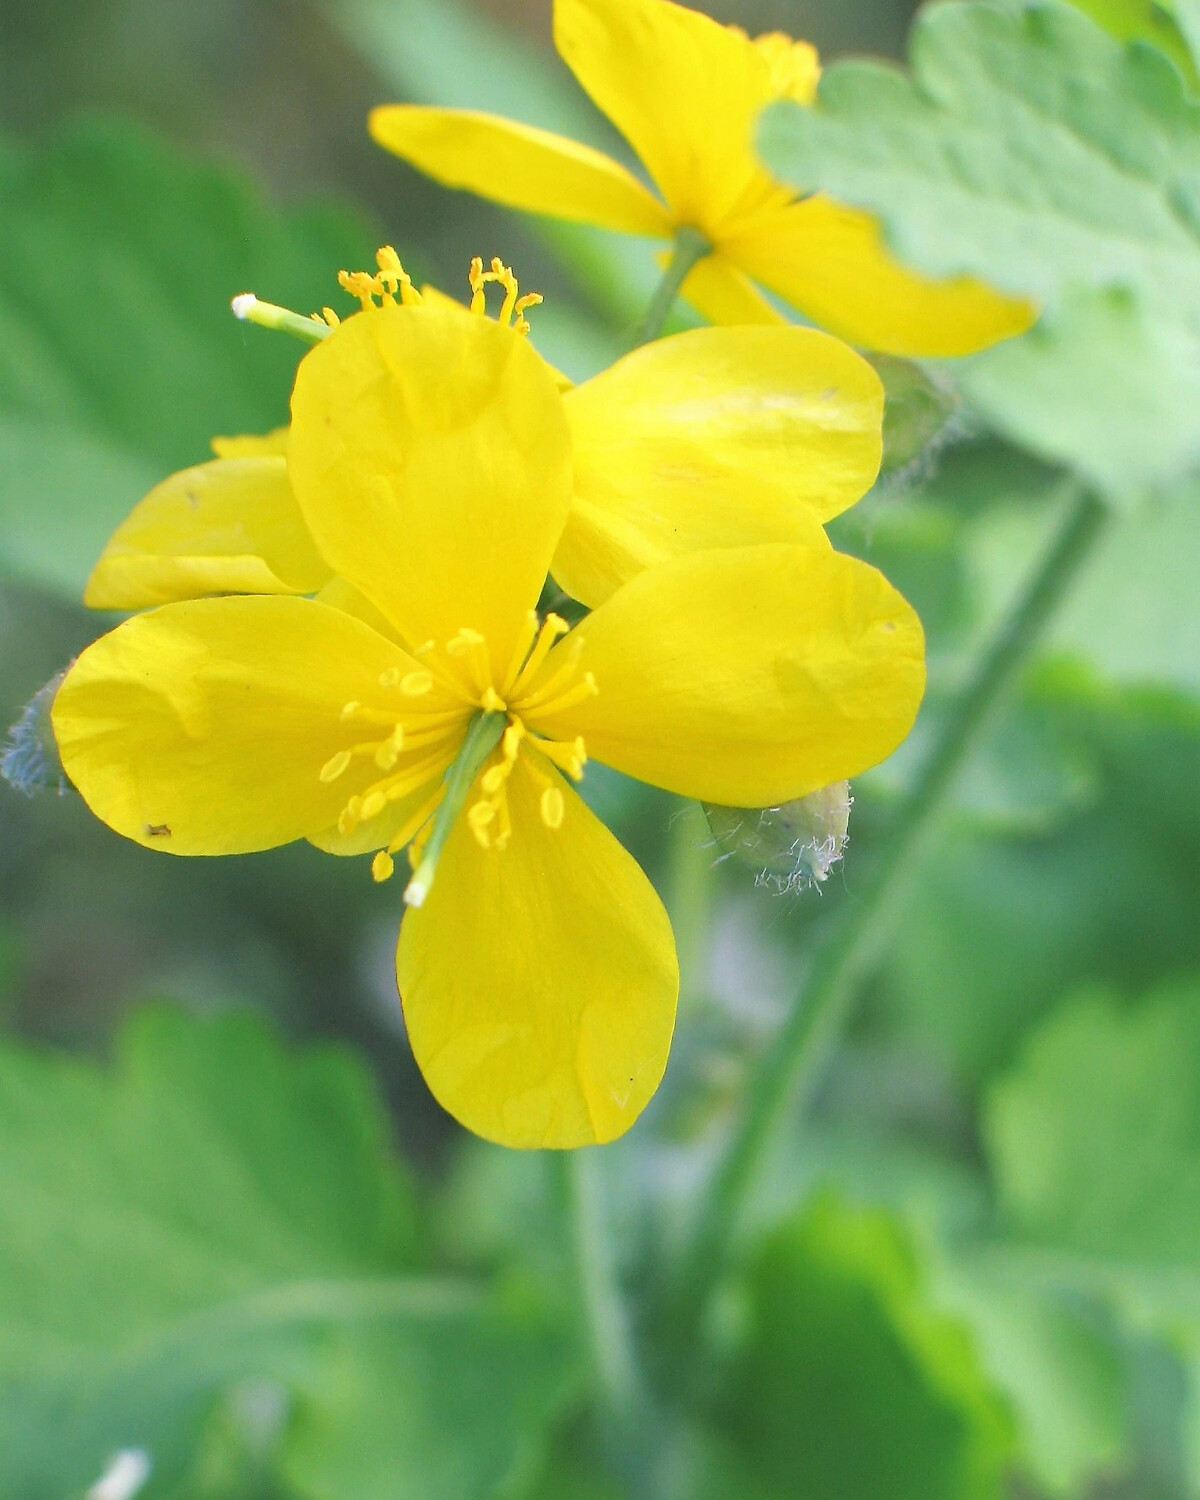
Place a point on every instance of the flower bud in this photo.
(916, 415)
(29, 760)
(790, 847)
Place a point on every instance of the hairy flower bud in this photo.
(790, 847)
(29, 760)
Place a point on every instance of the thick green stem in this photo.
(854, 944)
(689, 248)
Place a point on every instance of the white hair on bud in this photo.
(126, 1474)
(243, 305)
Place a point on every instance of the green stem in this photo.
(689, 248)
(622, 1403)
(484, 733)
(689, 894)
(854, 944)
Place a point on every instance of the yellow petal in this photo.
(721, 437)
(831, 263)
(723, 294)
(748, 677)
(437, 298)
(231, 526)
(273, 444)
(539, 981)
(520, 166)
(338, 594)
(431, 458)
(684, 91)
(201, 728)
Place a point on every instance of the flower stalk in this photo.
(689, 248)
(853, 945)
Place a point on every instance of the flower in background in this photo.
(714, 438)
(686, 93)
(430, 457)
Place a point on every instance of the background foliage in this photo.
(235, 1231)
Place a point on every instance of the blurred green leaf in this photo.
(1142, 21)
(1059, 1368)
(996, 928)
(1034, 151)
(121, 359)
(216, 1211)
(848, 1383)
(1095, 1136)
(1134, 614)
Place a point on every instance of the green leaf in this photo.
(1095, 1136)
(995, 929)
(1061, 1372)
(217, 1210)
(1143, 21)
(1032, 150)
(1096, 352)
(848, 1383)
(121, 359)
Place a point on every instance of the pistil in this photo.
(483, 735)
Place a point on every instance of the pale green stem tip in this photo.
(250, 309)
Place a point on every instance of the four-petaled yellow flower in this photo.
(714, 438)
(430, 456)
(686, 93)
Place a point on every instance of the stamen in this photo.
(411, 831)
(514, 304)
(476, 278)
(563, 673)
(472, 646)
(416, 684)
(552, 627)
(525, 640)
(383, 867)
(395, 278)
(585, 688)
(569, 757)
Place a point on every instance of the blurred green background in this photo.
(235, 1231)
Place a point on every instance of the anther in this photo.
(553, 807)
(372, 805)
(335, 765)
(382, 867)
(416, 684)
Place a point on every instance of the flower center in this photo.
(454, 729)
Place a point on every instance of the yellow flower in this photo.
(717, 437)
(430, 456)
(686, 93)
